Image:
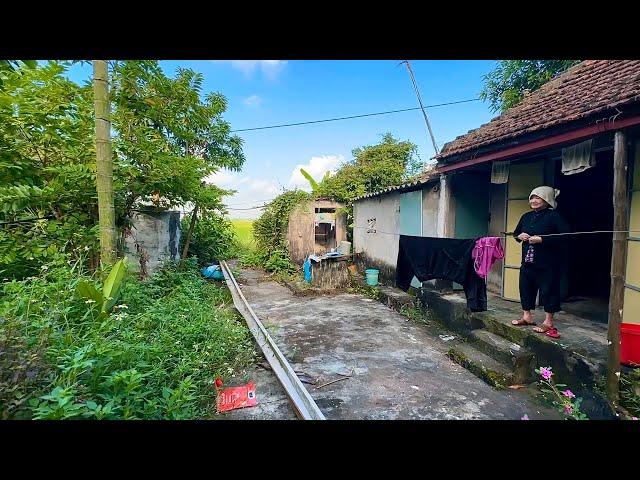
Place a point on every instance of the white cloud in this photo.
(250, 192)
(270, 68)
(253, 101)
(317, 167)
(222, 178)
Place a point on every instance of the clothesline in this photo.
(505, 234)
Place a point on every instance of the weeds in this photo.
(155, 356)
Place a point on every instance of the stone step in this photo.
(512, 333)
(493, 372)
(507, 352)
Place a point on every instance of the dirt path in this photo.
(397, 369)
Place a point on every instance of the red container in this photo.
(630, 344)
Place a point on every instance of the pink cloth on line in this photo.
(486, 251)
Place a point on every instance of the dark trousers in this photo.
(545, 280)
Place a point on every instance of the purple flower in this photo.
(525, 417)
(634, 418)
(568, 409)
(546, 372)
(568, 393)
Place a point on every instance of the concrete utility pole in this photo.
(424, 113)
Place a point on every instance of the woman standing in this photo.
(541, 258)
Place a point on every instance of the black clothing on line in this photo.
(543, 222)
(428, 258)
(532, 279)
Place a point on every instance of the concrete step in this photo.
(519, 358)
(493, 372)
(512, 333)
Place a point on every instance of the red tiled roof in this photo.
(589, 88)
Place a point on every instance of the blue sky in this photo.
(271, 92)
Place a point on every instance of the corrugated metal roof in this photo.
(395, 188)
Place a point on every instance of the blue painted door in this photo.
(411, 219)
(411, 213)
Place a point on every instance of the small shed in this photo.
(316, 227)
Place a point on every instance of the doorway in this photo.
(585, 202)
(325, 229)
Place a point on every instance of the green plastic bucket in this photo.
(371, 275)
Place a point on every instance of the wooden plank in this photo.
(618, 260)
(301, 232)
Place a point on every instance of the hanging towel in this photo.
(578, 158)
(486, 251)
(500, 172)
(427, 258)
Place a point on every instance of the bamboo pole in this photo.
(104, 163)
(618, 262)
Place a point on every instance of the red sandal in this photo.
(551, 332)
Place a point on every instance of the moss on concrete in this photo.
(493, 378)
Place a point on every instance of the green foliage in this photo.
(213, 237)
(630, 392)
(315, 186)
(168, 137)
(270, 232)
(47, 169)
(373, 168)
(508, 83)
(154, 357)
(310, 179)
(565, 401)
(107, 298)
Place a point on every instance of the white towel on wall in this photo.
(500, 172)
(578, 158)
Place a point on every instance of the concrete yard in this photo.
(397, 367)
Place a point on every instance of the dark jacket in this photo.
(548, 253)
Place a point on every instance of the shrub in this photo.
(155, 356)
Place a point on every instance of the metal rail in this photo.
(303, 404)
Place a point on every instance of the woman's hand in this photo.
(535, 239)
(523, 237)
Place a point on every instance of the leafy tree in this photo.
(169, 138)
(47, 168)
(270, 231)
(509, 82)
(213, 237)
(9, 66)
(373, 168)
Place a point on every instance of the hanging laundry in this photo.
(485, 252)
(578, 158)
(427, 258)
(500, 172)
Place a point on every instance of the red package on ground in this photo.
(237, 397)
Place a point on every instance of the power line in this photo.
(355, 116)
(252, 208)
(240, 204)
